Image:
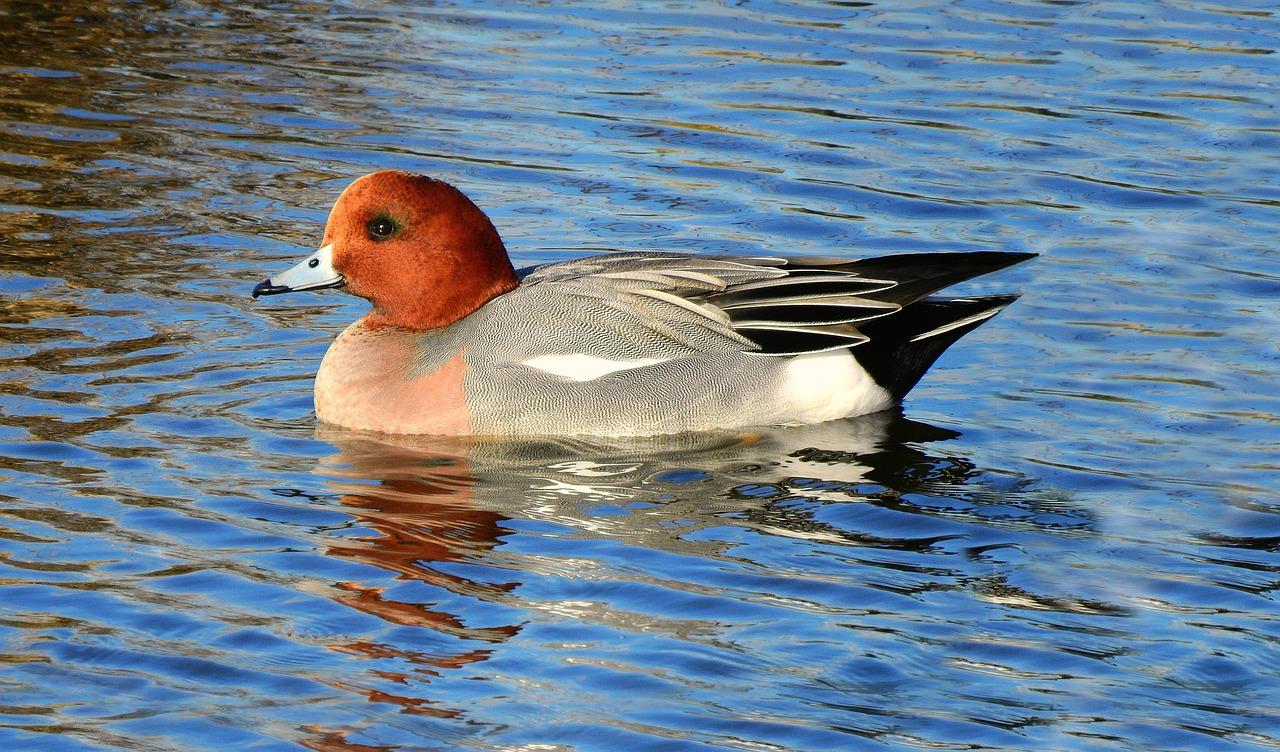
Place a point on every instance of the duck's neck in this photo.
(456, 296)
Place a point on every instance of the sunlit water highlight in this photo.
(1068, 541)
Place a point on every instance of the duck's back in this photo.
(642, 343)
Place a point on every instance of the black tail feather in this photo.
(904, 345)
(921, 274)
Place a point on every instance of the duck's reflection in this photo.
(437, 500)
(435, 506)
(421, 510)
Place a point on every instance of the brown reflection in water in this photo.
(420, 508)
(74, 76)
(435, 501)
(126, 129)
(328, 740)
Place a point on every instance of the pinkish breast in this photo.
(365, 383)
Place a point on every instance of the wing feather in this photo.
(663, 302)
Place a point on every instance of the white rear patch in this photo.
(583, 367)
(830, 385)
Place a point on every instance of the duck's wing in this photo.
(654, 304)
(770, 305)
(914, 275)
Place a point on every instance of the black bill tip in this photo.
(266, 288)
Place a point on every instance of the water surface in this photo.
(1068, 538)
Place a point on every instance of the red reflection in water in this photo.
(420, 509)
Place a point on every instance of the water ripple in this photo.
(1068, 542)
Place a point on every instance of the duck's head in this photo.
(414, 247)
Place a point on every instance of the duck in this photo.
(459, 342)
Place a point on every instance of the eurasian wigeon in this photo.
(641, 343)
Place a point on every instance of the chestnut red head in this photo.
(416, 248)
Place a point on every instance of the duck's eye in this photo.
(381, 228)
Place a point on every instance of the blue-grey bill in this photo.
(315, 272)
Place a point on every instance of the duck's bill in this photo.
(315, 272)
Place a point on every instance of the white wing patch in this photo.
(583, 367)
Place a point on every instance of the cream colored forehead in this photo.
(375, 186)
(353, 198)
(357, 184)
(380, 175)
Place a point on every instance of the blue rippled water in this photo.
(1068, 539)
